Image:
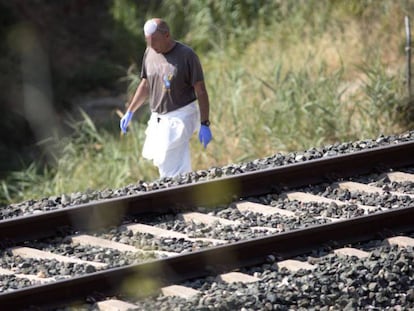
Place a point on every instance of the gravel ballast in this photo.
(382, 280)
(65, 200)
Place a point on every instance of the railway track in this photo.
(116, 223)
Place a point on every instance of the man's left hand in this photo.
(204, 135)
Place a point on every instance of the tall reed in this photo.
(282, 76)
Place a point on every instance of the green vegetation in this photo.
(281, 75)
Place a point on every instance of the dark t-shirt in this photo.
(171, 77)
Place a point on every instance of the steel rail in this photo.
(134, 279)
(95, 215)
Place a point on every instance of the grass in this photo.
(308, 76)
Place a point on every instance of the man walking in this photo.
(173, 80)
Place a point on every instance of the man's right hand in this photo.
(125, 121)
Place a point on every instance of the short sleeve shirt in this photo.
(171, 77)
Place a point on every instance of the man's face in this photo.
(157, 41)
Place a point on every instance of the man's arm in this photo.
(141, 94)
(203, 101)
(204, 135)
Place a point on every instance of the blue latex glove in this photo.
(204, 135)
(125, 121)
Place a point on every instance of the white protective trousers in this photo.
(167, 141)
